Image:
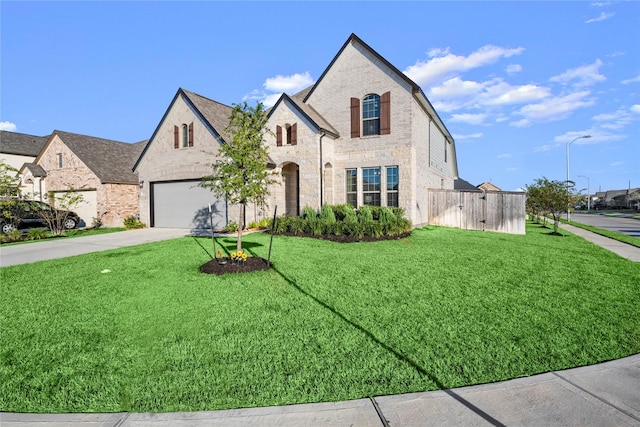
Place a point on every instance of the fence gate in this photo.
(476, 210)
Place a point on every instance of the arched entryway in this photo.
(291, 177)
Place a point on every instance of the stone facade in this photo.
(417, 145)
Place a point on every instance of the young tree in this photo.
(61, 206)
(241, 174)
(9, 181)
(550, 197)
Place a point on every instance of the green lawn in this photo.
(442, 308)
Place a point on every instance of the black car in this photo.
(29, 213)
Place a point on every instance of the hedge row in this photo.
(345, 220)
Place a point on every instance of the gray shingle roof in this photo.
(36, 170)
(111, 161)
(461, 184)
(215, 113)
(21, 144)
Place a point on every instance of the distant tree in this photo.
(241, 173)
(550, 198)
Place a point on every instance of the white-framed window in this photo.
(371, 186)
(352, 187)
(393, 181)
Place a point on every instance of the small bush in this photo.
(327, 214)
(365, 215)
(309, 213)
(231, 227)
(263, 223)
(14, 235)
(36, 234)
(132, 222)
(96, 223)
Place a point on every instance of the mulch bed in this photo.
(222, 266)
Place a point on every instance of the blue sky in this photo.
(513, 81)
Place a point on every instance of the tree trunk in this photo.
(240, 226)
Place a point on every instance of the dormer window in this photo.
(375, 118)
(183, 136)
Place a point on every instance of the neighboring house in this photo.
(615, 199)
(462, 185)
(99, 169)
(488, 186)
(364, 133)
(180, 152)
(18, 150)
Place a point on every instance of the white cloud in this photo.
(616, 164)
(586, 75)
(276, 86)
(511, 169)
(472, 119)
(602, 17)
(443, 64)
(290, 84)
(632, 80)
(455, 94)
(556, 108)
(514, 68)
(11, 127)
(470, 136)
(618, 119)
(504, 156)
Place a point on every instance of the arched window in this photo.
(185, 135)
(371, 115)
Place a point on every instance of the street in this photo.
(622, 225)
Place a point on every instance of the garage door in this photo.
(183, 204)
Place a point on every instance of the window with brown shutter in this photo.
(294, 134)
(191, 134)
(278, 135)
(385, 114)
(355, 117)
(176, 137)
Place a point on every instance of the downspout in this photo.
(321, 171)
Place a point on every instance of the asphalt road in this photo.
(619, 224)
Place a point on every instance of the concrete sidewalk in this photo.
(625, 250)
(607, 394)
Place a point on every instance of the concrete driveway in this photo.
(619, 224)
(62, 248)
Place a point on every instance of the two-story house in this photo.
(364, 133)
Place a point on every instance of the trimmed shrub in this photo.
(365, 215)
(231, 227)
(36, 234)
(326, 214)
(132, 222)
(309, 213)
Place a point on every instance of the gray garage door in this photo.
(183, 204)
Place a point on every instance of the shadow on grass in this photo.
(397, 354)
(225, 244)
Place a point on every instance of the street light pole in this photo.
(567, 183)
(588, 192)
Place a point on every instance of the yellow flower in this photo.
(233, 255)
(244, 256)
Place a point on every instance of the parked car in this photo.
(29, 213)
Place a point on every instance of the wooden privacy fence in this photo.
(476, 210)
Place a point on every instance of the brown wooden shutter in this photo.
(355, 117)
(278, 135)
(176, 137)
(385, 114)
(191, 134)
(294, 134)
